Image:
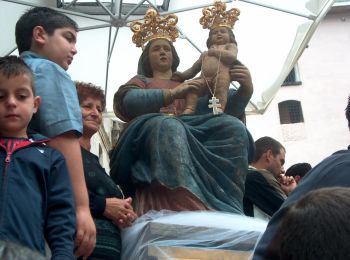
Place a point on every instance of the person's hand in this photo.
(120, 212)
(287, 183)
(85, 239)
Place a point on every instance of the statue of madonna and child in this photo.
(175, 153)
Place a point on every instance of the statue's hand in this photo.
(182, 90)
(190, 86)
(198, 86)
(241, 74)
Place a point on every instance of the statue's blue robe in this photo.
(206, 154)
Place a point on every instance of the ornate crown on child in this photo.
(154, 27)
(217, 16)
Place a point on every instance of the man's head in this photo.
(298, 170)
(17, 99)
(314, 227)
(48, 33)
(144, 66)
(269, 155)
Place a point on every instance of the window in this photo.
(290, 112)
(293, 77)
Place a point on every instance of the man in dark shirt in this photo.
(266, 186)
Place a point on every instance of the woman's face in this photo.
(91, 110)
(160, 55)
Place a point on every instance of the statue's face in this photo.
(219, 36)
(160, 55)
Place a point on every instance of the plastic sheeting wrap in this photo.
(199, 235)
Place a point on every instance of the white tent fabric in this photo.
(271, 36)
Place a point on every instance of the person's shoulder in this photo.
(40, 143)
(230, 44)
(41, 64)
(137, 81)
(254, 175)
(252, 170)
(342, 153)
(141, 78)
(339, 158)
(332, 171)
(87, 154)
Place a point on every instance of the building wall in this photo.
(325, 74)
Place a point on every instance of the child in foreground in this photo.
(35, 196)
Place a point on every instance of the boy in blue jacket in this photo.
(46, 41)
(36, 199)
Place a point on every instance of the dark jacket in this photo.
(263, 191)
(331, 172)
(36, 199)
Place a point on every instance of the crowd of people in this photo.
(172, 155)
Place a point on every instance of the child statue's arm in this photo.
(189, 73)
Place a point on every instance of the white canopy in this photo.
(271, 36)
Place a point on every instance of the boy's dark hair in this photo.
(316, 227)
(231, 34)
(144, 65)
(48, 18)
(299, 169)
(347, 112)
(264, 144)
(13, 66)
(86, 90)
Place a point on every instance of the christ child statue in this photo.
(214, 65)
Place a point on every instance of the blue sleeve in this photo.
(60, 219)
(138, 102)
(59, 111)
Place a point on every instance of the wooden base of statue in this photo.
(188, 253)
(169, 232)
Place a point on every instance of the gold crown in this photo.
(217, 16)
(154, 27)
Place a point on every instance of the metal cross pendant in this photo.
(214, 103)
